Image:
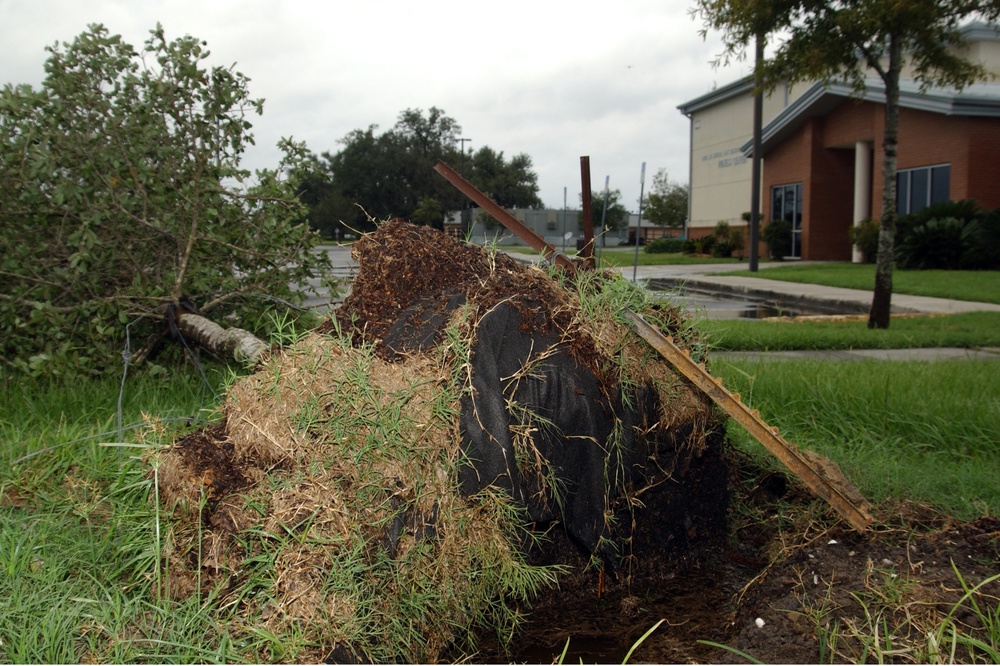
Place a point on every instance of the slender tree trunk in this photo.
(225, 342)
(878, 317)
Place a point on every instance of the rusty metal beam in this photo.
(820, 474)
(497, 212)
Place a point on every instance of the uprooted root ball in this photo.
(374, 487)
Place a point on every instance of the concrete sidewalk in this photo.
(695, 278)
(698, 279)
(814, 297)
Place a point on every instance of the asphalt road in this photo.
(318, 297)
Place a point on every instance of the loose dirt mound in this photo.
(906, 591)
(463, 433)
(917, 587)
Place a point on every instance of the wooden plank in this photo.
(820, 474)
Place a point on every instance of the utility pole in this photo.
(638, 226)
(564, 221)
(461, 166)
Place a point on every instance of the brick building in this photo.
(822, 153)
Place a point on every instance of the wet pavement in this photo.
(697, 279)
(918, 354)
(798, 299)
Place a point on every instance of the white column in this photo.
(862, 187)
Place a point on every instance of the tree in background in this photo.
(666, 204)
(616, 216)
(837, 40)
(377, 176)
(511, 184)
(429, 213)
(122, 201)
(315, 191)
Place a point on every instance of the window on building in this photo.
(918, 188)
(786, 204)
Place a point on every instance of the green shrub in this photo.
(778, 236)
(953, 235)
(982, 251)
(666, 246)
(937, 243)
(865, 236)
(727, 240)
(121, 192)
(702, 245)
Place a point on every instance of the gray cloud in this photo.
(555, 80)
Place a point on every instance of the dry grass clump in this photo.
(349, 531)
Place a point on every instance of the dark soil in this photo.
(789, 563)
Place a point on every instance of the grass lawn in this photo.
(80, 549)
(970, 329)
(980, 286)
(921, 431)
(81, 572)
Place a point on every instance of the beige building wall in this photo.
(986, 53)
(720, 173)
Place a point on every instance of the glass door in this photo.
(786, 205)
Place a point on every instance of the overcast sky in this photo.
(553, 79)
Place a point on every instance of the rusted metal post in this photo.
(587, 252)
(513, 224)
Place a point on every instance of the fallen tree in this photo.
(121, 193)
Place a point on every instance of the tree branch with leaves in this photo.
(121, 192)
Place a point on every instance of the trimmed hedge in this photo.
(666, 246)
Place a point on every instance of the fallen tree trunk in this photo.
(235, 343)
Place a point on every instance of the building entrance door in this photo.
(786, 205)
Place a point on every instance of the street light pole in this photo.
(461, 166)
(638, 226)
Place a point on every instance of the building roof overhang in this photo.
(981, 100)
(980, 31)
(743, 86)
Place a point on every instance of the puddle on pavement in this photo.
(725, 306)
